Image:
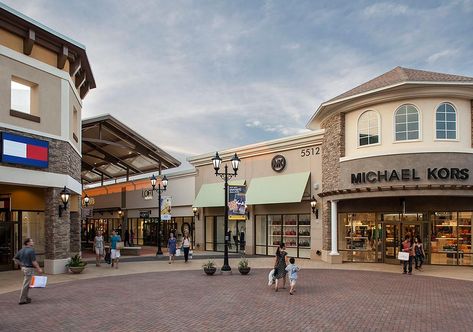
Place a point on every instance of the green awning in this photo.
(277, 189)
(212, 194)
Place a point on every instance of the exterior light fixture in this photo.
(195, 210)
(64, 194)
(86, 200)
(120, 212)
(313, 205)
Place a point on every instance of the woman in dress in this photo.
(172, 247)
(280, 266)
(98, 247)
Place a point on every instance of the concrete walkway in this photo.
(11, 280)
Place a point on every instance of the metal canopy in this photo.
(111, 150)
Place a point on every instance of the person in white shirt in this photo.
(186, 244)
(292, 270)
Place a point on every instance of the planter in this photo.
(76, 269)
(244, 270)
(210, 270)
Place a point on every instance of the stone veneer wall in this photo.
(333, 148)
(57, 229)
(74, 236)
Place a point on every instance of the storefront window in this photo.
(360, 237)
(451, 238)
(293, 230)
(33, 227)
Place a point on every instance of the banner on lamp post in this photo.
(165, 207)
(236, 202)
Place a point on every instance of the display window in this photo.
(451, 238)
(360, 237)
(293, 230)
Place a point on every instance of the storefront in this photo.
(281, 178)
(399, 163)
(132, 206)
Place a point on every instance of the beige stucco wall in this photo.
(15, 43)
(427, 142)
(75, 128)
(49, 96)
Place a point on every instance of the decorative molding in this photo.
(25, 116)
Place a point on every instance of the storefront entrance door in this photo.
(6, 242)
(394, 235)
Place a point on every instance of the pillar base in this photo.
(331, 259)
(55, 266)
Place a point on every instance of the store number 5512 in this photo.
(310, 152)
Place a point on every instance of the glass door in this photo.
(391, 242)
(6, 241)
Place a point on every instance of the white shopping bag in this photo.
(271, 277)
(190, 254)
(38, 282)
(178, 252)
(403, 256)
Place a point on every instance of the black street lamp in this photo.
(164, 182)
(217, 161)
(64, 194)
(195, 210)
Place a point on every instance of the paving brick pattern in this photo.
(326, 300)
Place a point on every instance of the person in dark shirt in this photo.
(26, 258)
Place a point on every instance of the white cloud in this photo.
(385, 9)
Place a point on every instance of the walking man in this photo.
(26, 258)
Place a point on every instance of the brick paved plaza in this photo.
(326, 300)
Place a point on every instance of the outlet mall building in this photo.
(388, 157)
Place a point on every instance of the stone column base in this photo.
(55, 266)
(332, 259)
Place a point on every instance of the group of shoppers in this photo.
(415, 248)
(172, 247)
(281, 269)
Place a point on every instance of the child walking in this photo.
(292, 270)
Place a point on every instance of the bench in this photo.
(130, 251)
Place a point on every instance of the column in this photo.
(334, 230)
(57, 233)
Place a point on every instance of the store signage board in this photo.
(236, 202)
(411, 174)
(22, 150)
(278, 163)
(145, 214)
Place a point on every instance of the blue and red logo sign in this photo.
(24, 150)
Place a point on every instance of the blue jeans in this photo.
(410, 264)
(419, 261)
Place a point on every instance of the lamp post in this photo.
(217, 161)
(164, 182)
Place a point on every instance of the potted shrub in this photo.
(209, 267)
(243, 266)
(76, 264)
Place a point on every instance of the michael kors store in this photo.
(280, 178)
(426, 195)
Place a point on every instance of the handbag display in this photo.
(403, 256)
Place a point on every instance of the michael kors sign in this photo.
(278, 163)
(411, 174)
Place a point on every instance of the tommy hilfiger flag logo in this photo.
(24, 150)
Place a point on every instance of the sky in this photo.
(196, 77)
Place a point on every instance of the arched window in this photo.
(446, 122)
(406, 121)
(368, 128)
